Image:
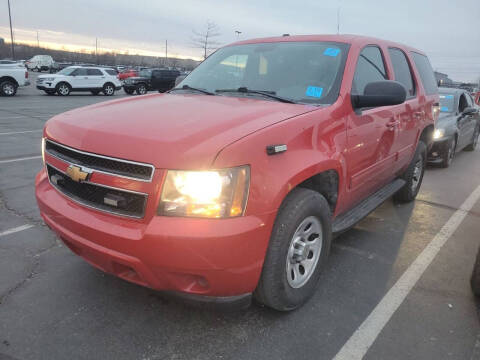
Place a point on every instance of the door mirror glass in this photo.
(380, 93)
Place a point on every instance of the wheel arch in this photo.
(9, 78)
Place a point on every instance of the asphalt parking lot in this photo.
(53, 305)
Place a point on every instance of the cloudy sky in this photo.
(447, 30)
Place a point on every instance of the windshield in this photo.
(447, 103)
(67, 71)
(145, 73)
(305, 72)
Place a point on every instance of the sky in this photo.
(448, 31)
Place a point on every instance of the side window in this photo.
(111, 72)
(80, 72)
(402, 71)
(462, 103)
(426, 73)
(156, 74)
(370, 67)
(94, 72)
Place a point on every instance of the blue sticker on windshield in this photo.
(314, 91)
(448, 96)
(331, 52)
(444, 109)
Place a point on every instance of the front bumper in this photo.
(130, 87)
(45, 86)
(438, 150)
(206, 257)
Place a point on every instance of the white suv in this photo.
(39, 63)
(80, 78)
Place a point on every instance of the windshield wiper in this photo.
(188, 87)
(269, 94)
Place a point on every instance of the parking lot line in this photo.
(16, 229)
(357, 346)
(20, 132)
(20, 159)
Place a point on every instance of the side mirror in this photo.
(469, 111)
(380, 93)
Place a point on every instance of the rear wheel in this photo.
(63, 89)
(298, 249)
(108, 89)
(413, 176)
(141, 89)
(8, 88)
(474, 142)
(449, 154)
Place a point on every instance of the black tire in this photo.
(412, 176)
(475, 279)
(472, 146)
(449, 154)
(129, 91)
(108, 89)
(274, 289)
(95, 92)
(50, 92)
(141, 89)
(8, 88)
(63, 89)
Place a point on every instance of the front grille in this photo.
(101, 163)
(93, 195)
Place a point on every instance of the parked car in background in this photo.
(125, 74)
(476, 98)
(151, 79)
(234, 183)
(457, 128)
(80, 78)
(11, 77)
(40, 63)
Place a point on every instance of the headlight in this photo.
(438, 134)
(212, 194)
(48, 79)
(43, 150)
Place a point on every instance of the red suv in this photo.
(233, 183)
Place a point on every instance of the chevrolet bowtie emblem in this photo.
(77, 174)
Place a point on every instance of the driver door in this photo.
(79, 79)
(370, 132)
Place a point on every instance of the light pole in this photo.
(38, 41)
(11, 30)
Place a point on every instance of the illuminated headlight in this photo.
(43, 150)
(438, 134)
(211, 194)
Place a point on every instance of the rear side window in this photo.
(94, 72)
(401, 70)
(80, 72)
(426, 73)
(111, 72)
(370, 67)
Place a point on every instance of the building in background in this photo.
(442, 79)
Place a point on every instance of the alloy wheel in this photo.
(304, 252)
(109, 90)
(8, 89)
(63, 90)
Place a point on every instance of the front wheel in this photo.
(141, 89)
(108, 89)
(413, 176)
(8, 88)
(298, 249)
(63, 89)
(472, 146)
(449, 153)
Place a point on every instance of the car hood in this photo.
(181, 131)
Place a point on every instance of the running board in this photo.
(351, 217)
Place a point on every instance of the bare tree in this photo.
(205, 39)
